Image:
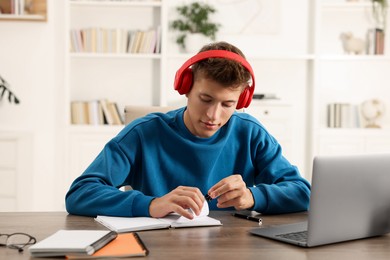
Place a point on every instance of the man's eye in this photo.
(230, 104)
(206, 100)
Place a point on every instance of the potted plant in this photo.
(379, 10)
(4, 88)
(194, 19)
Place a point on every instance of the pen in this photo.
(207, 197)
(256, 219)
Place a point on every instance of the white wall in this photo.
(31, 60)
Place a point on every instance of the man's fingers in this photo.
(192, 198)
(179, 200)
(226, 185)
(186, 203)
(183, 212)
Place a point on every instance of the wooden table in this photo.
(230, 241)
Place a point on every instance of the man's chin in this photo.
(206, 133)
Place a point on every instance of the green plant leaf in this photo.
(194, 18)
(11, 96)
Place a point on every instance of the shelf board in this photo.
(108, 3)
(281, 57)
(115, 55)
(355, 131)
(27, 17)
(346, 6)
(95, 129)
(342, 57)
(256, 57)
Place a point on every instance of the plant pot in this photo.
(195, 41)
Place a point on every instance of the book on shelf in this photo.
(79, 113)
(157, 48)
(370, 42)
(137, 41)
(72, 242)
(132, 224)
(123, 246)
(12, 7)
(379, 41)
(375, 41)
(113, 107)
(108, 116)
(95, 112)
(343, 115)
(6, 7)
(114, 40)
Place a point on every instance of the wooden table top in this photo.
(229, 241)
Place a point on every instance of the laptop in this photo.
(350, 199)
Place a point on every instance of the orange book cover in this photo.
(124, 245)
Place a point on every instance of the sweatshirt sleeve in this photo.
(279, 187)
(96, 191)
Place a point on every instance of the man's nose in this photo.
(214, 111)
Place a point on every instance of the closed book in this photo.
(79, 113)
(95, 113)
(124, 245)
(113, 107)
(379, 41)
(107, 111)
(6, 6)
(72, 242)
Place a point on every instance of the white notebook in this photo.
(75, 242)
(131, 224)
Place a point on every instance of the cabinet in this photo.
(15, 173)
(360, 141)
(277, 117)
(23, 10)
(346, 78)
(85, 147)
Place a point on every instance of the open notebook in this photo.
(131, 224)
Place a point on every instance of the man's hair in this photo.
(226, 72)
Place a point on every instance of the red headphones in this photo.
(184, 76)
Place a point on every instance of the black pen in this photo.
(207, 197)
(256, 219)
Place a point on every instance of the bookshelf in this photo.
(346, 79)
(313, 71)
(23, 10)
(104, 70)
(102, 25)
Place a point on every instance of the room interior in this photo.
(321, 71)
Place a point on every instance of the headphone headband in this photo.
(184, 76)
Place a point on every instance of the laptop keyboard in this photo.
(300, 236)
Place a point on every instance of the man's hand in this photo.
(178, 200)
(232, 192)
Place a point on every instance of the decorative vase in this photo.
(195, 41)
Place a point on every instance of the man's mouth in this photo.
(210, 126)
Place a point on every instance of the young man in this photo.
(173, 160)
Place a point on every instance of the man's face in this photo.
(209, 107)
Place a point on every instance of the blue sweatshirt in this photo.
(156, 153)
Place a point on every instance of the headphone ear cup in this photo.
(245, 99)
(185, 81)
